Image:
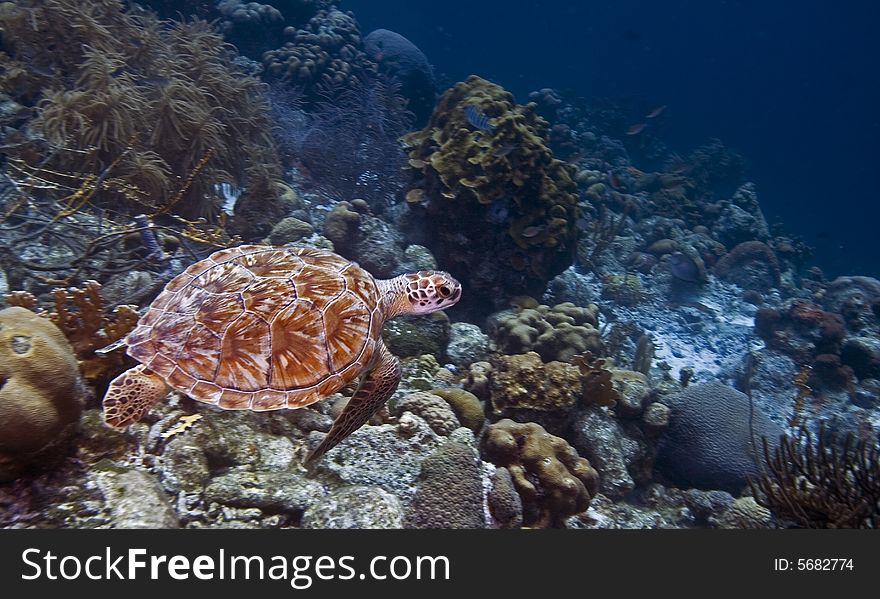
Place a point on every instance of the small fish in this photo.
(636, 129)
(477, 118)
(504, 150)
(530, 232)
(656, 112)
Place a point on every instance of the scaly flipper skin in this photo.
(374, 391)
(131, 395)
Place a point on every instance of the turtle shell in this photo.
(261, 327)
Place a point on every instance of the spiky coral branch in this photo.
(822, 483)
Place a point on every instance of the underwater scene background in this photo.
(660, 216)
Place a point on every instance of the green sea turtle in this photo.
(265, 328)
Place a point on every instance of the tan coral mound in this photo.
(41, 394)
(552, 480)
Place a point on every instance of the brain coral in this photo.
(708, 443)
(500, 209)
(41, 394)
(552, 480)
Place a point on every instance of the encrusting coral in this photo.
(552, 480)
(525, 388)
(492, 191)
(41, 396)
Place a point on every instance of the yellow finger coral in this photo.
(41, 394)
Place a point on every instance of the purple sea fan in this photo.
(348, 147)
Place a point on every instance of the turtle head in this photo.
(422, 292)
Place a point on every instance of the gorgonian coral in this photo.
(822, 481)
(349, 147)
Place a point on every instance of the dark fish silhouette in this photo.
(477, 118)
(636, 129)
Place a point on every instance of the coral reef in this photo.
(494, 194)
(418, 335)
(822, 481)
(358, 235)
(856, 300)
(322, 58)
(597, 381)
(740, 219)
(402, 61)
(557, 333)
(618, 456)
(467, 344)
(465, 405)
(624, 289)
(712, 438)
(355, 506)
(505, 504)
(449, 492)
(82, 315)
(347, 147)
(437, 412)
(751, 265)
(251, 26)
(156, 114)
(526, 389)
(41, 396)
(744, 513)
(551, 479)
(801, 330)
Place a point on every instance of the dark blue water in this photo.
(792, 86)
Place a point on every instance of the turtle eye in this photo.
(444, 291)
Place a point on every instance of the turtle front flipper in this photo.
(375, 389)
(131, 395)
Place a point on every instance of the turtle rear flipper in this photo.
(131, 395)
(378, 385)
